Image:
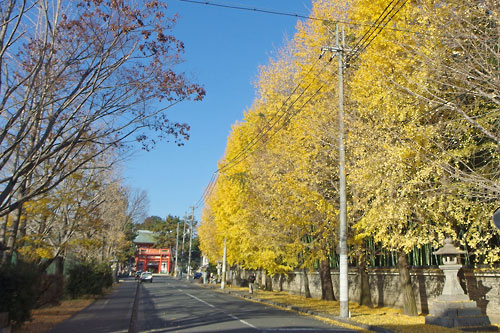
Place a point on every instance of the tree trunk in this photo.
(3, 233)
(282, 278)
(326, 280)
(365, 295)
(59, 260)
(11, 240)
(237, 276)
(116, 269)
(307, 291)
(42, 267)
(269, 282)
(409, 302)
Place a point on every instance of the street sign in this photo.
(496, 218)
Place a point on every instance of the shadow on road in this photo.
(175, 306)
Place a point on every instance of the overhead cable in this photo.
(301, 16)
(362, 44)
(355, 54)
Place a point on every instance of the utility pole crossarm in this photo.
(335, 50)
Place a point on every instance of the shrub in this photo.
(88, 279)
(50, 290)
(18, 290)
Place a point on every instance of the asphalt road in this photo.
(170, 305)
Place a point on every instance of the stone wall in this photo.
(481, 286)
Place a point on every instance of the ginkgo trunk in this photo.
(409, 302)
(307, 291)
(326, 280)
(365, 296)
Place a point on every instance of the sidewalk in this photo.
(377, 319)
(107, 314)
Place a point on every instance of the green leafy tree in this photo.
(150, 223)
(165, 232)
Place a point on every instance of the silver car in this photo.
(147, 277)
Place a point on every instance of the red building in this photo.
(147, 258)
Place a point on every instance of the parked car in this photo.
(138, 275)
(147, 277)
(197, 275)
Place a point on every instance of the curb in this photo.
(134, 310)
(307, 311)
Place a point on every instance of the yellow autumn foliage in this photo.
(411, 165)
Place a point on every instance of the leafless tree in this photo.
(138, 205)
(82, 73)
(461, 55)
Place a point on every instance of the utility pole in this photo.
(223, 281)
(343, 283)
(190, 243)
(176, 269)
(182, 251)
(340, 50)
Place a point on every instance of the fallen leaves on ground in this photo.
(46, 318)
(389, 318)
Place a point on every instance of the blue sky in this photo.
(224, 48)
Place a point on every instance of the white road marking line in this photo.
(213, 306)
(241, 320)
(200, 300)
(105, 303)
(301, 329)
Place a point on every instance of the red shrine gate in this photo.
(153, 260)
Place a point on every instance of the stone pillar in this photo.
(452, 289)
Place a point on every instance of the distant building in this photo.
(147, 258)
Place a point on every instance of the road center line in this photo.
(213, 306)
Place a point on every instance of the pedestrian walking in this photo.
(251, 281)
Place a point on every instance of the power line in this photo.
(268, 126)
(211, 185)
(207, 191)
(301, 16)
(244, 153)
(238, 158)
(252, 9)
(362, 44)
(370, 32)
(282, 125)
(379, 27)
